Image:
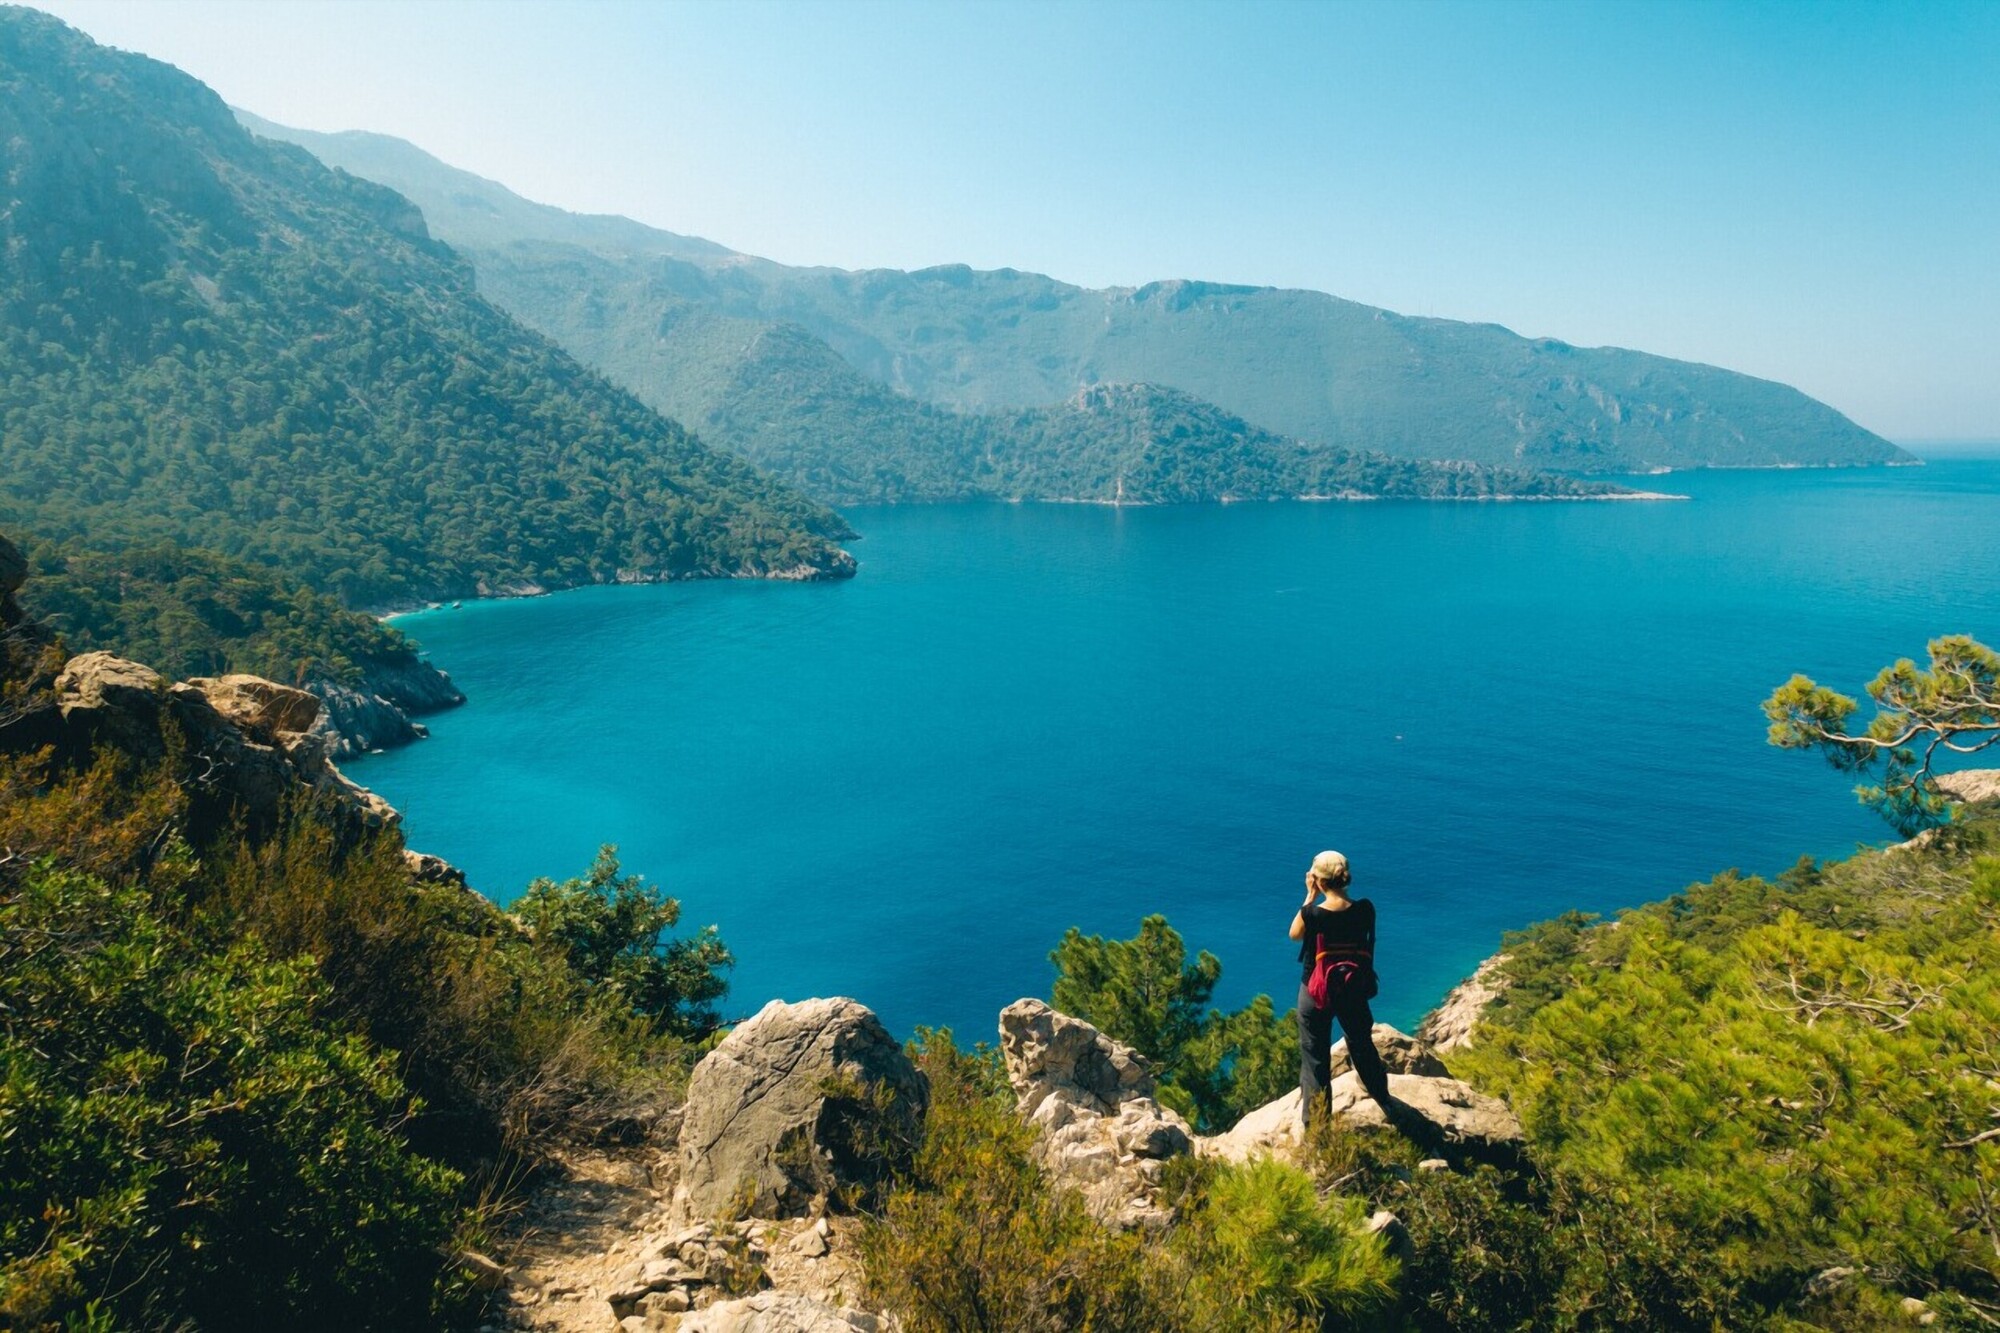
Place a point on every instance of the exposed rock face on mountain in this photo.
(263, 708)
(353, 721)
(1450, 1025)
(1442, 1114)
(672, 316)
(804, 1101)
(1091, 1098)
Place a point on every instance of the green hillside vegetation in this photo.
(792, 406)
(1788, 1077)
(1301, 364)
(193, 613)
(258, 1077)
(214, 340)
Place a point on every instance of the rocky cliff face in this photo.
(249, 741)
(380, 713)
(1451, 1024)
(248, 744)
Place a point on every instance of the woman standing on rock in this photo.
(1337, 950)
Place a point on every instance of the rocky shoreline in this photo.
(379, 712)
(843, 566)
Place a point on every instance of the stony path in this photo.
(598, 1248)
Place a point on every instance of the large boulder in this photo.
(1400, 1052)
(804, 1100)
(1091, 1098)
(106, 700)
(780, 1312)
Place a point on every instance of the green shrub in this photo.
(185, 1137)
(609, 928)
(1212, 1066)
(1265, 1251)
(974, 1240)
(1753, 1082)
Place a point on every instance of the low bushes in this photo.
(268, 1080)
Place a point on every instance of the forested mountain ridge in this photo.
(215, 340)
(1300, 364)
(790, 404)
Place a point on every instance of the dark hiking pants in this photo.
(1357, 1024)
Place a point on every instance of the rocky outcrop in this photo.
(13, 573)
(354, 722)
(379, 712)
(245, 741)
(1442, 1114)
(781, 1312)
(427, 869)
(264, 709)
(1450, 1118)
(1971, 786)
(1091, 1099)
(106, 700)
(1450, 1026)
(1400, 1052)
(1274, 1129)
(804, 1101)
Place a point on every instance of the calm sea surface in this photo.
(1021, 718)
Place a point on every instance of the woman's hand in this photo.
(1312, 890)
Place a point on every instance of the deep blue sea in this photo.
(1020, 718)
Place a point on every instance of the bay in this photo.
(1020, 718)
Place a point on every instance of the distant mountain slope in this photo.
(215, 340)
(1303, 364)
(796, 408)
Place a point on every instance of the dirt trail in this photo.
(600, 1223)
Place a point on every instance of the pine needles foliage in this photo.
(1798, 1077)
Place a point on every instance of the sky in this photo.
(1806, 192)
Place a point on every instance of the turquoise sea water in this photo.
(1020, 718)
